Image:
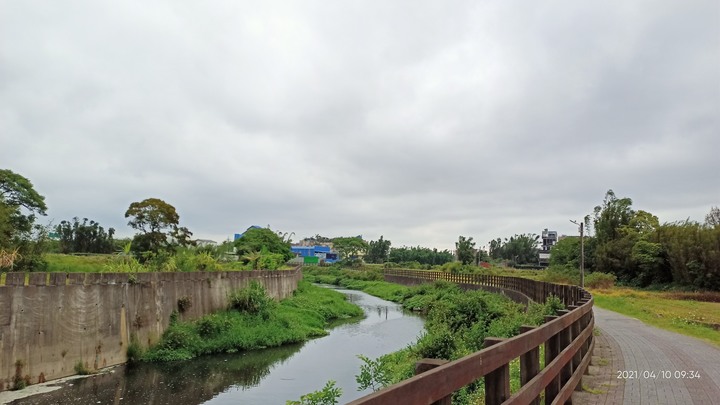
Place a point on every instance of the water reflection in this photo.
(178, 383)
(269, 376)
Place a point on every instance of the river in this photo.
(269, 376)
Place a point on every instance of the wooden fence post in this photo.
(565, 340)
(497, 382)
(429, 364)
(529, 364)
(552, 349)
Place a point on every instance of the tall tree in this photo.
(84, 237)
(713, 217)
(612, 215)
(159, 223)
(378, 251)
(256, 240)
(421, 255)
(465, 249)
(19, 205)
(350, 247)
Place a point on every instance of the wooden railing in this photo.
(567, 338)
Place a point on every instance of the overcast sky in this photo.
(417, 120)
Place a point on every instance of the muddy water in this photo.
(270, 376)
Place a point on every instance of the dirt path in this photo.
(639, 364)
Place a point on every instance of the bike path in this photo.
(641, 364)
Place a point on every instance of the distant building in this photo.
(549, 239)
(239, 235)
(205, 242)
(315, 254)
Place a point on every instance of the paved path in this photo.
(637, 350)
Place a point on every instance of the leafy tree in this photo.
(19, 236)
(84, 237)
(256, 240)
(520, 249)
(421, 255)
(159, 223)
(465, 249)
(712, 219)
(378, 251)
(19, 202)
(566, 252)
(611, 216)
(350, 247)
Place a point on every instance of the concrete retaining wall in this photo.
(49, 322)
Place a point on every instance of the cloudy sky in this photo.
(417, 120)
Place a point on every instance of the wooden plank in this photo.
(533, 388)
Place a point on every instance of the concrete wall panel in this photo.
(89, 319)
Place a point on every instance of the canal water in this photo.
(269, 376)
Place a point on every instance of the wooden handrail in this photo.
(569, 336)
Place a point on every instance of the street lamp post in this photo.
(582, 253)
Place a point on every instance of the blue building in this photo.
(323, 253)
(239, 235)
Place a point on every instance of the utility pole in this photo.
(582, 252)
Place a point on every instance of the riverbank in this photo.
(457, 322)
(272, 375)
(254, 321)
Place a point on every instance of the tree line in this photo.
(639, 250)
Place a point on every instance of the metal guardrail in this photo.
(567, 338)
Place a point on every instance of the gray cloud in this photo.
(420, 121)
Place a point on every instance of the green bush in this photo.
(253, 299)
(437, 344)
(600, 280)
(212, 325)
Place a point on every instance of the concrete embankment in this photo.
(52, 322)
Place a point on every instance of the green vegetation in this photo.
(519, 249)
(254, 321)
(378, 251)
(641, 252)
(158, 223)
(81, 369)
(350, 247)
(683, 313)
(328, 395)
(465, 248)
(414, 257)
(80, 264)
(261, 248)
(456, 325)
(22, 242)
(84, 237)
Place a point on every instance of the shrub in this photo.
(327, 396)
(81, 369)
(600, 280)
(437, 344)
(253, 299)
(212, 325)
(553, 304)
(184, 303)
(562, 275)
(134, 350)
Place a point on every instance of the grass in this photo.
(456, 322)
(78, 264)
(663, 310)
(98, 263)
(295, 319)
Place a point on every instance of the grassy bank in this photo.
(253, 322)
(114, 263)
(456, 325)
(688, 315)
